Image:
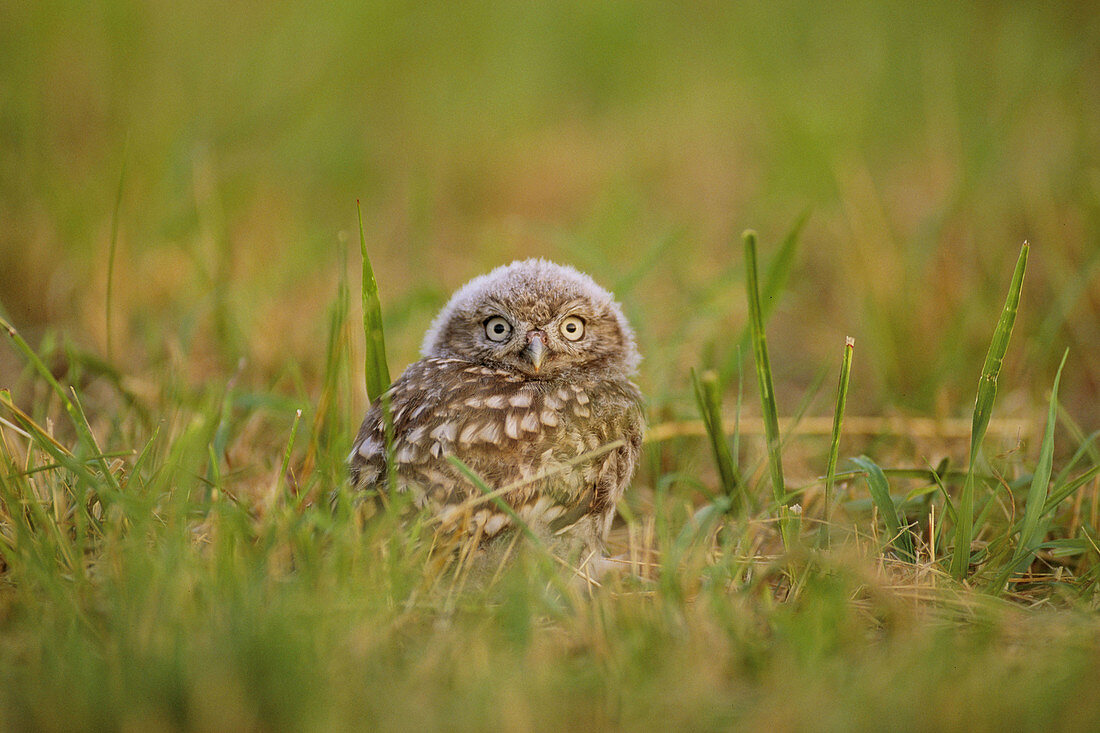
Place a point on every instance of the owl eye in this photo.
(572, 328)
(498, 329)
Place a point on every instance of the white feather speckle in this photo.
(530, 422)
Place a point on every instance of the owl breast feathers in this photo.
(526, 380)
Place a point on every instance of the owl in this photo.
(525, 379)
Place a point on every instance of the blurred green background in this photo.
(634, 140)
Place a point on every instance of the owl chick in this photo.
(525, 378)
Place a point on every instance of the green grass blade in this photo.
(286, 462)
(880, 494)
(544, 554)
(775, 279)
(710, 407)
(834, 445)
(43, 371)
(61, 457)
(764, 380)
(983, 409)
(376, 370)
(79, 421)
(330, 418)
(1061, 489)
(1037, 494)
(1088, 444)
(779, 269)
(991, 369)
(498, 501)
(1084, 447)
(143, 456)
(1031, 534)
(948, 507)
(98, 453)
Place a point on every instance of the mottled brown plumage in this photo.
(525, 379)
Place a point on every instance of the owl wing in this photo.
(420, 418)
(611, 434)
(559, 452)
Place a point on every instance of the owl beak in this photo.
(536, 349)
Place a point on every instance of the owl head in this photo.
(538, 318)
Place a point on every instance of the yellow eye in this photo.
(572, 328)
(498, 329)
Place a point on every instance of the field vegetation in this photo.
(870, 492)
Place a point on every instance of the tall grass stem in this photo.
(983, 409)
(767, 391)
(1035, 508)
(834, 445)
(710, 407)
(376, 370)
(775, 279)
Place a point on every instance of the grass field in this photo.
(182, 371)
